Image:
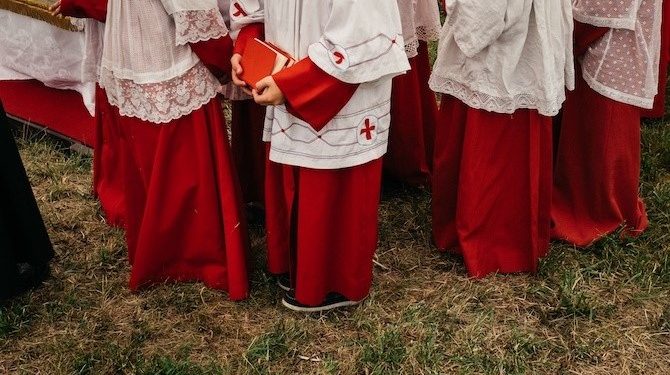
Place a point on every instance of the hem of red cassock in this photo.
(322, 228)
(597, 172)
(492, 187)
(172, 174)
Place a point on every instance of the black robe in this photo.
(24, 243)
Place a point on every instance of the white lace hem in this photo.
(509, 105)
(612, 23)
(198, 26)
(622, 97)
(412, 48)
(161, 102)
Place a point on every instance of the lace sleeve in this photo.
(199, 25)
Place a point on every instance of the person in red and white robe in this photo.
(413, 106)
(502, 68)
(327, 128)
(597, 173)
(182, 211)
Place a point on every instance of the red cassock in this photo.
(492, 187)
(596, 179)
(322, 228)
(659, 103)
(184, 219)
(413, 115)
(180, 201)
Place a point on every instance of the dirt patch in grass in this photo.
(602, 310)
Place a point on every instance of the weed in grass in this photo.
(663, 323)
(331, 367)
(85, 365)
(384, 354)
(14, 317)
(272, 346)
(169, 366)
(572, 301)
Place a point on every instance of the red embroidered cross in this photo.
(368, 129)
(339, 57)
(240, 10)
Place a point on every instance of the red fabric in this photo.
(322, 227)
(215, 54)
(61, 111)
(108, 154)
(248, 149)
(183, 211)
(492, 187)
(96, 9)
(312, 94)
(248, 32)
(413, 116)
(597, 173)
(659, 102)
(585, 35)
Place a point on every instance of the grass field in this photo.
(603, 310)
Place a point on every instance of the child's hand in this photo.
(268, 93)
(55, 9)
(236, 71)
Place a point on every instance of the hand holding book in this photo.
(254, 69)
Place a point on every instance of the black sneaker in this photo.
(284, 282)
(332, 301)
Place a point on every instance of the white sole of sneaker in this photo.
(283, 287)
(320, 308)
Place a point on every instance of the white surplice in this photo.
(355, 41)
(623, 65)
(504, 55)
(148, 69)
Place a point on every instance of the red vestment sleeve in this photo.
(215, 54)
(585, 35)
(96, 9)
(313, 95)
(248, 32)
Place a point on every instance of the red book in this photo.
(261, 59)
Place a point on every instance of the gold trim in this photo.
(37, 9)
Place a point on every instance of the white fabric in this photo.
(147, 63)
(623, 65)
(61, 59)
(243, 13)
(504, 55)
(420, 21)
(367, 36)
